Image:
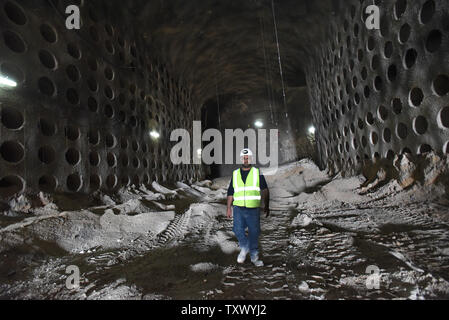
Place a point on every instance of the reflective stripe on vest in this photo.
(246, 194)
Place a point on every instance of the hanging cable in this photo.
(218, 98)
(266, 69)
(269, 69)
(279, 58)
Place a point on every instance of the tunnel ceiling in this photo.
(229, 47)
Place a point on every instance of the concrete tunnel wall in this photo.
(86, 100)
(379, 93)
(80, 117)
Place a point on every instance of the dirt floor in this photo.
(322, 238)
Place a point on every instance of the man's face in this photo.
(246, 161)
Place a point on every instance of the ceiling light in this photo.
(155, 134)
(258, 124)
(7, 82)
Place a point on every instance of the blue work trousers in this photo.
(247, 218)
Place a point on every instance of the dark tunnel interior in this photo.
(89, 111)
(154, 66)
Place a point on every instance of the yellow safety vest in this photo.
(246, 194)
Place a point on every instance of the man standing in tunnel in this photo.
(244, 193)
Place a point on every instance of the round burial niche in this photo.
(416, 97)
(14, 42)
(111, 160)
(410, 58)
(72, 133)
(399, 8)
(110, 140)
(443, 118)
(382, 113)
(73, 73)
(441, 85)
(11, 118)
(74, 182)
(420, 125)
(47, 183)
(111, 181)
(46, 154)
(95, 182)
(73, 156)
(401, 131)
(15, 13)
(10, 186)
(74, 51)
(47, 59)
(427, 12)
(94, 137)
(48, 33)
(94, 158)
(424, 148)
(396, 105)
(12, 151)
(46, 87)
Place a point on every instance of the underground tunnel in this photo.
(121, 130)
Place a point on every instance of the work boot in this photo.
(255, 260)
(242, 256)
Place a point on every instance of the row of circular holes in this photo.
(13, 120)
(440, 83)
(425, 15)
(409, 60)
(14, 152)
(425, 148)
(420, 124)
(416, 97)
(417, 93)
(48, 59)
(16, 44)
(433, 43)
(47, 87)
(422, 149)
(401, 132)
(440, 86)
(72, 50)
(11, 185)
(50, 62)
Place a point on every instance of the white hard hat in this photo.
(246, 152)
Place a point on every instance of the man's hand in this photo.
(267, 212)
(229, 213)
(266, 202)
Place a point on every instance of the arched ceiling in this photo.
(224, 47)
